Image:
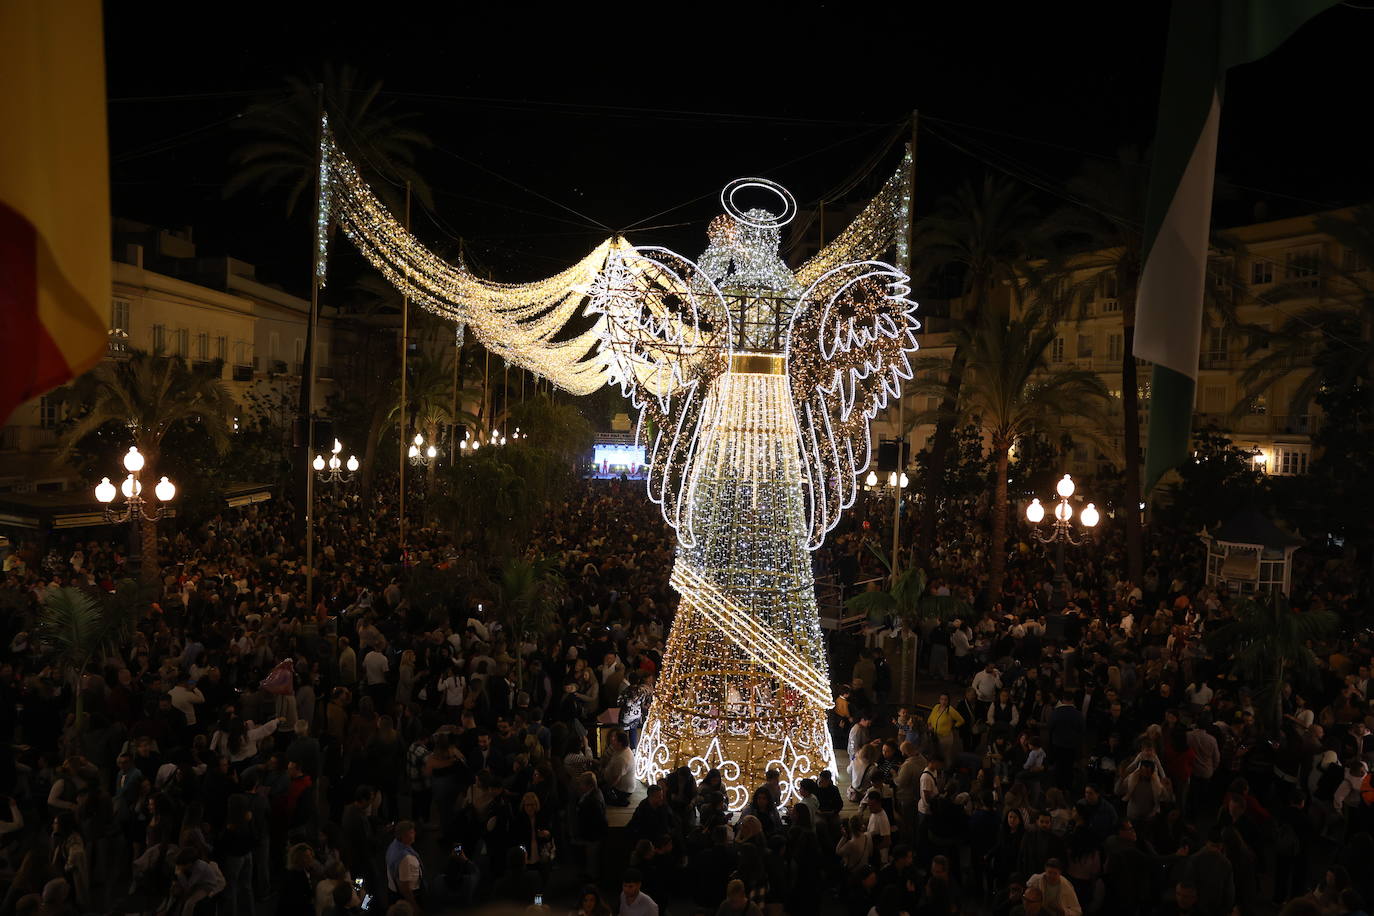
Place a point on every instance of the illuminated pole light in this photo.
(1061, 532)
(131, 488)
(332, 469)
(421, 455)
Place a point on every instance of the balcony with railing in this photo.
(243, 373)
(1208, 361)
(1260, 423)
(1297, 424)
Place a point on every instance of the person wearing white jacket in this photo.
(1348, 792)
(1060, 899)
(239, 742)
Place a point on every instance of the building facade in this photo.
(164, 298)
(1267, 272)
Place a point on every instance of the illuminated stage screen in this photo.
(613, 460)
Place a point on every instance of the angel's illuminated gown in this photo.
(747, 576)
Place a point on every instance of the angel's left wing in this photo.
(848, 351)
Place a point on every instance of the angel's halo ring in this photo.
(789, 203)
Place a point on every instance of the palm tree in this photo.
(1011, 393)
(149, 394)
(1336, 335)
(1267, 638)
(905, 598)
(558, 428)
(1109, 222)
(905, 601)
(281, 150)
(986, 233)
(78, 627)
(1104, 237)
(528, 592)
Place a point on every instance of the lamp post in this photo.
(892, 482)
(135, 506)
(332, 471)
(420, 454)
(1062, 532)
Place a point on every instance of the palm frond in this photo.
(71, 627)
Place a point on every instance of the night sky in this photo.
(621, 114)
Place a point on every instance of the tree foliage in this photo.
(905, 599)
(77, 627)
(149, 400)
(1268, 641)
(985, 235)
(1218, 481)
(279, 149)
(1011, 393)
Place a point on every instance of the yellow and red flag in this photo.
(54, 196)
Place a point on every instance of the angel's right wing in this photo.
(664, 334)
(850, 343)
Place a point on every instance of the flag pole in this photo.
(904, 265)
(309, 367)
(405, 355)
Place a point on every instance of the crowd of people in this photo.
(1095, 751)
(390, 746)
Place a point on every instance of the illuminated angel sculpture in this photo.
(755, 387)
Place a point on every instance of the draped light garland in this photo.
(758, 385)
(521, 322)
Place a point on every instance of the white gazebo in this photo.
(1250, 554)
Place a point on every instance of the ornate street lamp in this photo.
(135, 507)
(332, 471)
(1061, 531)
(420, 455)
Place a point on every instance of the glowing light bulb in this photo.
(431, 452)
(353, 462)
(904, 480)
(133, 461)
(318, 463)
(165, 490)
(1090, 516)
(105, 491)
(419, 439)
(872, 479)
(1065, 487)
(338, 447)
(131, 487)
(1063, 511)
(1035, 512)
(334, 462)
(892, 479)
(414, 451)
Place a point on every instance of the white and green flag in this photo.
(1206, 38)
